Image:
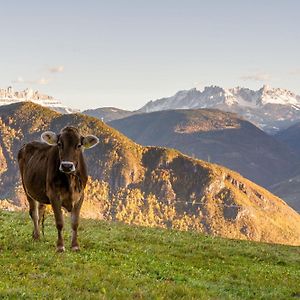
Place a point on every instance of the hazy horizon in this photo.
(95, 53)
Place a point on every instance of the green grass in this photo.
(126, 262)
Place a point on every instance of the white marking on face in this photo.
(67, 164)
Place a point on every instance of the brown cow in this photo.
(54, 172)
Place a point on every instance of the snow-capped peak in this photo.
(277, 96)
(9, 96)
(213, 96)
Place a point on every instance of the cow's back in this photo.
(33, 162)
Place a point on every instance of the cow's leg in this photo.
(34, 214)
(59, 221)
(42, 208)
(75, 222)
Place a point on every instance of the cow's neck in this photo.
(75, 182)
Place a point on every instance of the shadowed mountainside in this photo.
(151, 186)
(289, 189)
(291, 137)
(216, 136)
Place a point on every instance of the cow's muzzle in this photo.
(67, 167)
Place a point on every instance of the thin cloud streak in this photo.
(40, 81)
(295, 72)
(259, 76)
(56, 69)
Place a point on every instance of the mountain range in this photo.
(150, 186)
(9, 96)
(271, 109)
(270, 164)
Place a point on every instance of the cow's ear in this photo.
(49, 137)
(89, 141)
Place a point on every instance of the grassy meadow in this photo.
(118, 261)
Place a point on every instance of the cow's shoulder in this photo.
(34, 148)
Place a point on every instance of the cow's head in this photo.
(70, 145)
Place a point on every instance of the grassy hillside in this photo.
(127, 262)
(150, 186)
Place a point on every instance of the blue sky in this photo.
(124, 53)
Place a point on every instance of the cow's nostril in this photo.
(67, 166)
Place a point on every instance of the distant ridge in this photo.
(9, 96)
(271, 109)
(107, 114)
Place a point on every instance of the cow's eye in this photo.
(59, 144)
(79, 146)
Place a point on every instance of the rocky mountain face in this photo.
(150, 186)
(108, 114)
(271, 109)
(215, 136)
(9, 96)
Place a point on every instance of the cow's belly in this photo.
(35, 185)
(37, 194)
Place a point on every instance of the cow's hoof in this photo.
(35, 236)
(75, 248)
(60, 249)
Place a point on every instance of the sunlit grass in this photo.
(127, 262)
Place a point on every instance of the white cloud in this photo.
(57, 69)
(258, 76)
(43, 81)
